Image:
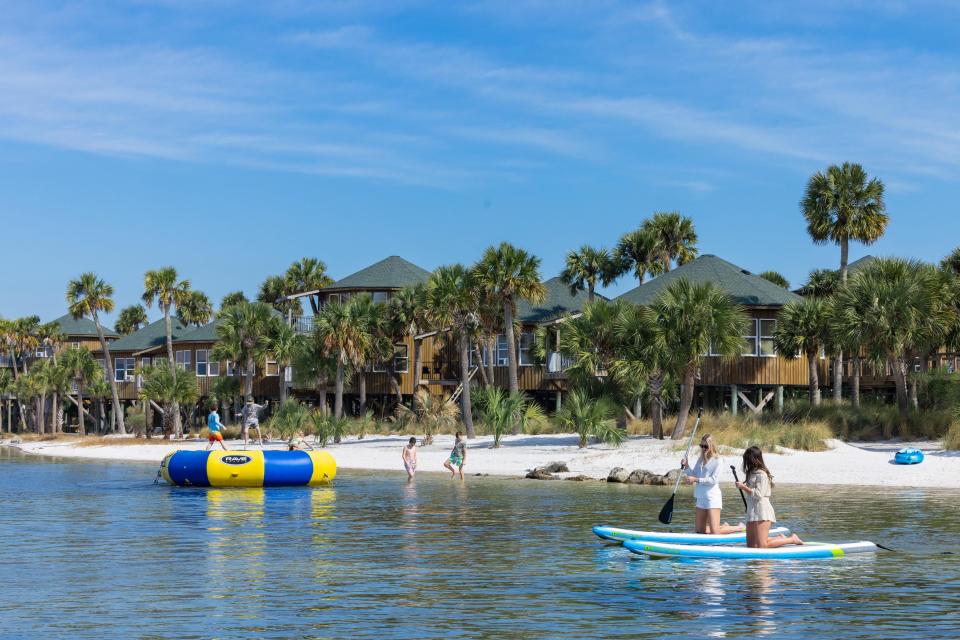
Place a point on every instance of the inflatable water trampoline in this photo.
(248, 468)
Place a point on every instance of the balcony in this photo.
(303, 324)
(557, 365)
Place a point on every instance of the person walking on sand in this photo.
(458, 457)
(250, 417)
(705, 474)
(760, 515)
(409, 455)
(215, 429)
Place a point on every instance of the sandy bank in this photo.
(861, 464)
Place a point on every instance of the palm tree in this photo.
(635, 253)
(58, 381)
(82, 368)
(509, 274)
(846, 333)
(232, 298)
(342, 339)
(130, 319)
(951, 262)
(585, 268)
(99, 389)
(587, 417)
(433, 413)
(242, 337)
(901, 307)
(672, 238)
(407, 316)
(6, 390)
(821, 283)
(194, 309)
(169, 390)
(89, 296)
(500, 411)
(224, 392)
(368, 317)
(282, 343)
(588, 341)
(274, 291)
(309, 274)
(802, 327)
(161, 285)
(314, 366)
(840, 205)
(642, 355)
(452, 297)
(697, 318)
(776, 278)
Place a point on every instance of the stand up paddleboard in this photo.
(622, 535)
(805, 551)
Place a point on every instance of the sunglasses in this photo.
(704, 446)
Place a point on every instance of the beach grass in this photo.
(951, 439)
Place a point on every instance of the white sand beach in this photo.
(856, 464)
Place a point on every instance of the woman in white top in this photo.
(705, 474)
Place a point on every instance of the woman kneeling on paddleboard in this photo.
(760, 514)
(706, 475)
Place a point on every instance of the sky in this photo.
(231, 138)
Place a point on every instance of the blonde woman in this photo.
(705, 474)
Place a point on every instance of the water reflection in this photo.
(237, 545)
(757, 601)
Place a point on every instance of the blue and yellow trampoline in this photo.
(248, 468)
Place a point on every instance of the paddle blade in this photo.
(666, 514)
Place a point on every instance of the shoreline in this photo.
(860, 464)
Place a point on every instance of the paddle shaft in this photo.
(686, 456)
(742, 497)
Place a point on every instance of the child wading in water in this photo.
(758, 488)
(706, 475)
(458, 457)
(409, 455)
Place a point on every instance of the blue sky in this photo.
(229, 138)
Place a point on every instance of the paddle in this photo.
(742, 497)
(666, 514)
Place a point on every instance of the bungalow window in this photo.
(144, 363)
(751, 338)
(333, 298)
(183, 359)
(75, 345)
(123, 369)
(273, 369)
(231, 369)
(376, 367)
(503, 358)
(485, 356)
(202, 369)
(401, 359)
(524, 357)
(213, 367)
(767, 328)
(380, 297)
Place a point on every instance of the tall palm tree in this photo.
(843, 204)
(343, 339)
(6, 390)
(776, 278)
(587, 267)
(82, 369)
(634, 253)
(314, 366)
(588, 342)
(232, 298)
(407, 313)
(697, 318)
(99, 389)
(169, 390)
(453, 298)
(672, 238)
(368, 319)
(308, 274)
(163, 287)
(901, 307)
(59, 388)
(130, 319)
(509, 274)
(282, 344)
(642, 355)
(194, 309)
(242, 337)
(274, 291)
(802, 327)
(89, 296)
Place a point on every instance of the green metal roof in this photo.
(390, 273)
(206, 333)
(558, 303)
(151, 336)
(82, 327)
(858, 264)
(744, 287)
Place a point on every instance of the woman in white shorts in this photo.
(705, 474)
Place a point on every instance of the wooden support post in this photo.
(734, 395)
(756, 408)
(779, 398)
(559, 401)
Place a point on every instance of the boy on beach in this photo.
(251, 418)
(409, 455)
(215, 429)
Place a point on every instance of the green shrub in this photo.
(590, 417)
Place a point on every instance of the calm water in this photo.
(97, 550)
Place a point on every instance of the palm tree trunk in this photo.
(838, 378)
(283, 385)
(394, 384)
(844, 254)
(82, 427)
(114, 392)
(855, 382)
(814, 380)
(417, 364)
(478, 352)
(322, 396)
(56, 413)
(248, 380)
(590, 293)
(686, 401)
(338, 391)
(514, 385)
(175, 407)
(899, 366)
(466, 409)
(362, 391)
(655, 383)
(491, 353)
(41, 409)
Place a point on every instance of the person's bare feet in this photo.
(796, 539)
